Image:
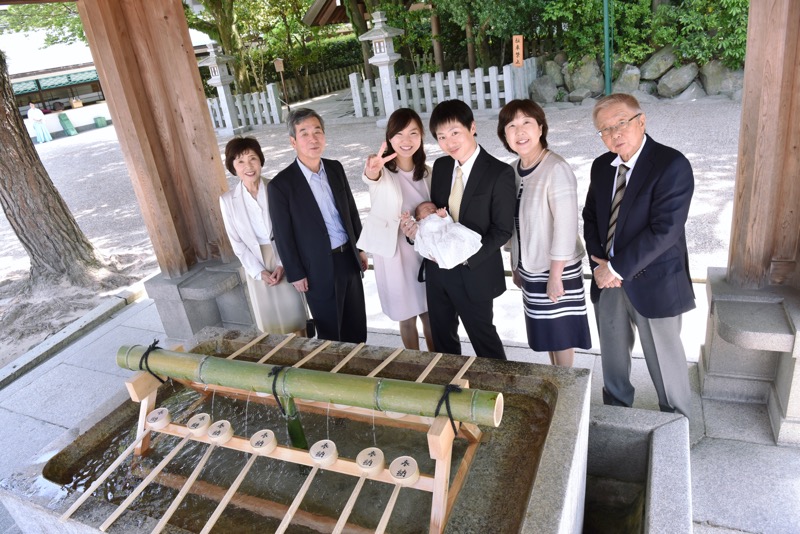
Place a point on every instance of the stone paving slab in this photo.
(23, 435)
(101, 354)
(65, 396)
(746, 487)
(738, 421)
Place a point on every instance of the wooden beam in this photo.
(765, 218)
(146, 64)
(117, 68)
(785, 268)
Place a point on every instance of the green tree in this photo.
(360, 28)
(580, 28)
(415, 45)
(218, 20)
(60, 20)
(490, 24)
(702, 30)
(463, 13)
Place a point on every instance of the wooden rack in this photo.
(143, 389)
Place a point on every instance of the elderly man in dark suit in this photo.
(634, 226)
(316, 225)
(478, 190)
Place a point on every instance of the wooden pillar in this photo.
(149, 73)
(766, 218)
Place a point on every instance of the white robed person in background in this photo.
(276, 306)
(441, 239)
(36, 117)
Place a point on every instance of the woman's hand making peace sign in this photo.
(375, 163)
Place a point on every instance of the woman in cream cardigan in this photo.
(546, 251)
(277, 307)
(398, 180)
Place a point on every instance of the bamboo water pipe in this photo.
(383, 394)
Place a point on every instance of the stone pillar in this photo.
(384, 58)
(754, 306)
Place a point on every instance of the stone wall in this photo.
(658, 77)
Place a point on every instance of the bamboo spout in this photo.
(384, 394)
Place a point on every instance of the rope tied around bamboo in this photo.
(384, 394)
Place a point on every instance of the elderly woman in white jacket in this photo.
(398, 181)
(546, 251)
(277, 308)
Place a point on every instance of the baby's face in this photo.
(423, 210)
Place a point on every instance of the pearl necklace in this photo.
(535, 162)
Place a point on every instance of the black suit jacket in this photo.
(650, 251)
(487, 207)
(299, 230)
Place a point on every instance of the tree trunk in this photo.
(40, 218)
(438, 56)
(656, 3)
(223, 13)
(470, 44)
(360, 27)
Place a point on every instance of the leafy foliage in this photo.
(702, 30)
(579, 24)
(256, 32)
(61, 20)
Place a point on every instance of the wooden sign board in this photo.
(518, 51)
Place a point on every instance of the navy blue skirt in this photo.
(558, 325)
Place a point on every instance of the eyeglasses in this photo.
(619, 127)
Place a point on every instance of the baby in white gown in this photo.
(441, 239)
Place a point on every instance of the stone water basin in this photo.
(528, 474)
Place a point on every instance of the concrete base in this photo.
(210, 294)
(648, 448)
(750, 351)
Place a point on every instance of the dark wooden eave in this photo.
(324, 12)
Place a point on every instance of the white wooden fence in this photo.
(490, 90)
(265, 107)
(252, 109)
(321, 83)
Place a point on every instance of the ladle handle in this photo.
(184, 490)
(287, 519)
(387, 512)
(351, 502)
(144, 483)
(229, 495)
(86, 494)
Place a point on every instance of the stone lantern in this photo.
(384, 57)
(221, 78)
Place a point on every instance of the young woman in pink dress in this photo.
(398, 181)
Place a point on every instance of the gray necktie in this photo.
(618, 194)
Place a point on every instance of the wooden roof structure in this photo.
(324, 12)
